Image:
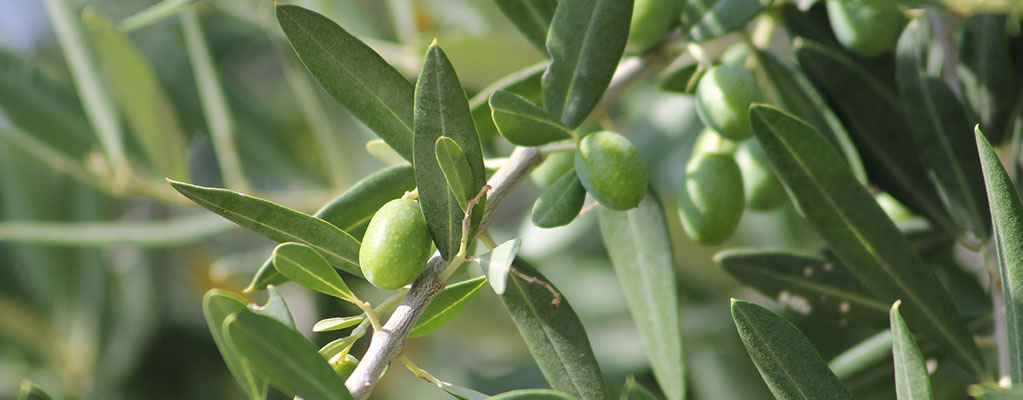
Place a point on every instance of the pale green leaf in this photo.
(863, 356)
(447, 304)
(456, 170)
(533, 394)
(154, 13)
(496, 263)
(336, 323)
(632, 390)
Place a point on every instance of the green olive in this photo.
(651, 20)
(709, 141)
(396, 245)
(345, 367)
(723, 97)
(865, 30)
(611, 171)
(711, 198)
(763, 189)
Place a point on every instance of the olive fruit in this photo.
(344, 368)
(611, 171)
(651, 20)
(709, 141)
(396, 245)
(723, 97)
(762, 188)
(711, 198)
(866, 30)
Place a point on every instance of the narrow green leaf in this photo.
(29, 391)
(683, 80)
(555, 336)
(355, 75)
(336, 323)
(585, 42)
(531, 17)
(986, 72)
(808, 285)
(462, 393)
(447, 304)
(496, 263)
(525, 82)
(442, 110)
(787, 361)
(560, 203)
(178, 231)
(456, 171)
(632, 390)
(275, 307)
(154, 13)
(284, 357)
(863, 356)
(523, 123)
(940, 131)
(141, 99)
(881, 132)
(838, 208)
(708, 19)
(640, 248)
(798, 96)
(533, 394)
(991, 391)
(911, 381)
(1007, 218)
(383, 152)
(278, 223)
(217, 304)
(302, 264)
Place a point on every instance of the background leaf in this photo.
(790, 365)
(29, 391)
(353, 74)
(447, 304)
(522, 122)
(284, 357)
(986, 72)
(585, 42)
(302, 264)
(911, 379)
(859, 233)
(560, 203)
(708, 19)
(217, 304)
(555, 337)
(531, 17)
(640, 248)
(533, 394)
(632, 390)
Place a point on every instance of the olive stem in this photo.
(370, 314)
(488, 241)
(414, 194)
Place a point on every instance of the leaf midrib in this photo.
(774, 359)
(578, 57)
(645, 277)
(341, 293)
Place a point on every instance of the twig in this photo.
(535, 281)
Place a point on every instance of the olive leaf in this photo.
(632, 390)
(986, 72)
(531, 17)
(336, 323)
(560, 203)
(284, 357)
(787, 361)
(442, 110)
(275, 308)
(911, 381)
(585, 42)
(708, 19)
(456, 171)
(496, 263)
(353, 74)
(525, 82)
(305, 266)
(637, 241)
(29, 391)
(839, 209)
(683, 80)
(533, 394)
(523, 123)
(217, 304)
(462, 393)
(446, 305)
(863, 356)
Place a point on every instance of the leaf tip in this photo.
(895, 306)
(433, 43)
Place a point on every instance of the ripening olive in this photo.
(651, 20)
(611, 171)
(711, 198)
(723, 97)
(396, 245)
(762, 188)
(345, 367)
(866, 30)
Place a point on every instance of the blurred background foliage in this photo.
(100, 291)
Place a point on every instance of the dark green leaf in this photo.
(560, 203)
(284, 356)
(1007, 217)
(352, 211)
(456, 171)
(442, 110)
(522, 122)
(555, 336)
(139, 95)
(787, 361)
(683, 80)
(305, 266)
(525, 83)
(986, 72)
(708, 19)
(640, 249)
(29, 391)
(807, 285)
(533, 394)
(940, 131)
(447, 304)
(872, 111)
(336, 323)
(911, 381)
(216, 306)
(352, 73)
(586, 41)
(532, 17)
(632, 390)
(278, 223)
(839, 209)
(275, 308)
(496, 263)
(798, 96)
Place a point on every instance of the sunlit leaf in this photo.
(496, 263)
(533, 394)
(456, 170)
(336, 323)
